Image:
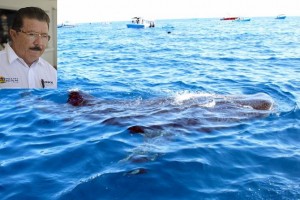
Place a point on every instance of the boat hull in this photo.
(242, 19)
(135, 26)
(281, 17)
(229, 18)
(66, 26)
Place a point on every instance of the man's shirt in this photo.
(15, 73)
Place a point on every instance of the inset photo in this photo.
(28, 44)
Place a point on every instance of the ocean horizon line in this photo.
(167, 19)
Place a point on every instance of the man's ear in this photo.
(12, 34)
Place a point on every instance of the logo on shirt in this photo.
(2, 79)
(49, 82)
(8, 80)
(46, 83)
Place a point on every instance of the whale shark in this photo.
(158, 119)
(215, 108)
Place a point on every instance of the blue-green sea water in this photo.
(168, 84)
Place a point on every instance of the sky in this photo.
(123, 10)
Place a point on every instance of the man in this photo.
(20, 63)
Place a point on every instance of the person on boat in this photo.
(152, 25)
(21, 65)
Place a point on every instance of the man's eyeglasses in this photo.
(33, 36)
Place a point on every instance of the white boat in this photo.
(281, 16)
(139, 22)
(66, 24)
(242, 19)
(105, 23)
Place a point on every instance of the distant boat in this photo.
(138, 22)
(105, 23)
(66, 25)
(281, 16)
(229, 18)
(242, 19)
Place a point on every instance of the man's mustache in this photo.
(36, 48)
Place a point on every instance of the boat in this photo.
(105, 23)
(139, 22)
(66, 24)
(281, 16)
(242, 19)
(229, 18)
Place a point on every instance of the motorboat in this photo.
(133, 25)
(139, 22)
(229, 18)
(66, 24)
(281, 16)
(242, 19)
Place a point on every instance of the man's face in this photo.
(27, 43)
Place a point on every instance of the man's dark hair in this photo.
(30, 13)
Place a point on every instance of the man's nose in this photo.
(38, 40)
